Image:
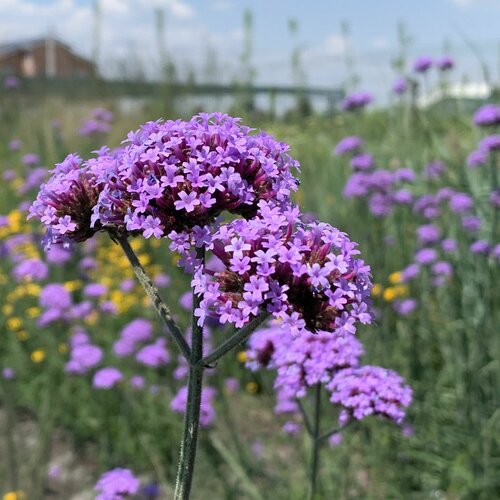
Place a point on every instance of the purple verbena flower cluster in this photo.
(181, 175)
(65, 203)
(356, 101)
(369, 390)
(333, 362)
(304, 274)
(116, 484)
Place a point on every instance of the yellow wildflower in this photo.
(376, 289)
(241, 356)
(8, 309)
(32, 289)
(33, 312)
(14, 323)
(22, 335)
(252, 387)
(389, 294)
(62, 348)
(395, 278)
(38, 356)
(71, 286)
(14, 495)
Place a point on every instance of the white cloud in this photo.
(336, 45)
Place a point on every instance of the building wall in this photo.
(33, 62)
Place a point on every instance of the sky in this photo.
(205, 37)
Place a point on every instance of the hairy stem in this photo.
(192, 417)
(152, 292)
(236, 339)
(315, 445)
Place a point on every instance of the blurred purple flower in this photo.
(400, 86)
(356, 100)
(477, 158)
(487, 115)
(428, 233)
(426, 256)
(405, 306)
(116, 484)
(480, 247)
(434, 170)
(11, 82)
(422, 64)
(362, 161)
(106, 378)
(445, 63)
(349, 144)
(154, 355)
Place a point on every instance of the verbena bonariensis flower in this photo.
(301, 362)
(445, 63)
(304, 274)
(369, 390)
(487, 115)
(356, 100)
(477, 158)
(363, 161)
(106, 378)
(65, 203)
(116, 484)
(428, 233)
(137, 331)
(83, 357)
(490, 143)
(178, 175)
(400, 86)
(422, 64)
(349, 144)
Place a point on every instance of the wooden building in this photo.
(44, 57)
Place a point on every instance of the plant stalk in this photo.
(153, 293)
(192, 416)
(236, 339)
(315, 445)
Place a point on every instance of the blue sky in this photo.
(127, 28)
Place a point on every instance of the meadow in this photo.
(426, 223)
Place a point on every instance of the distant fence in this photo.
(87, 89)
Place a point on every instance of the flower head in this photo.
(178, 175)
(370, 390)
(116, 484)
(487, 115)
(304, 361)
(400, 86)
(349, 144)
(106, 378)
(304, 274)
(445, 63)
(422, 64)
(64, 204)
(356, 100)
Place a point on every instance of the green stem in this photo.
(315, 445)
(236, 339)
(494, 187)
(9, 434)
(192, 417)
(153, 293)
